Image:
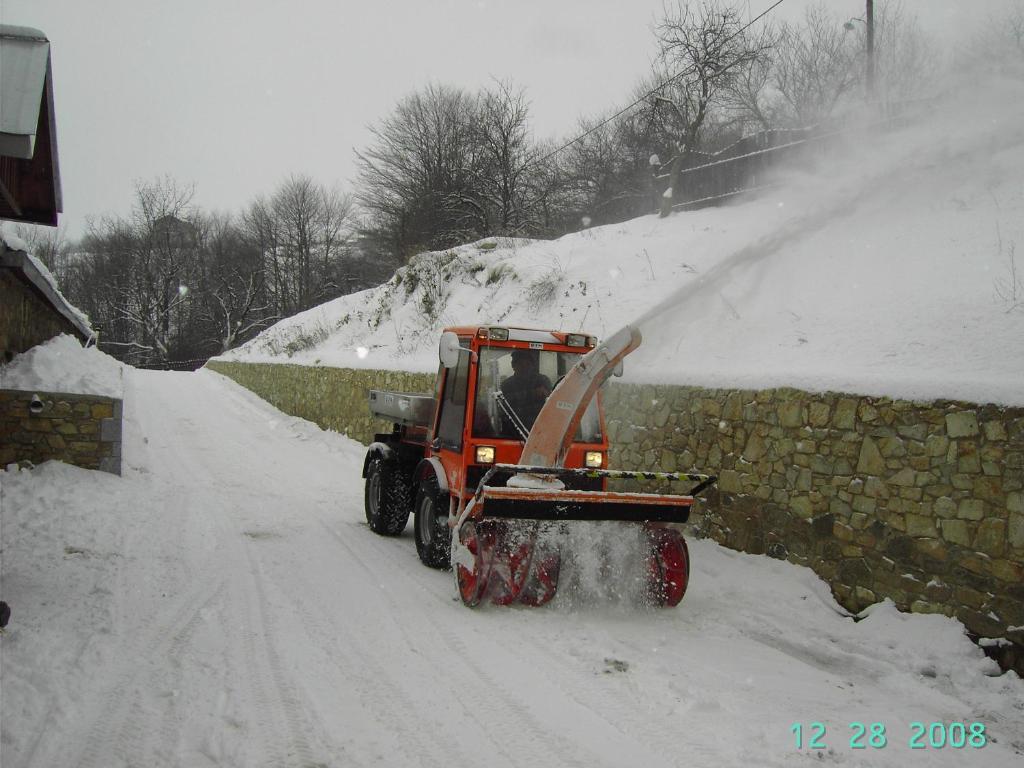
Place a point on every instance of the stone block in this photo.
(920, 525)
(1015, 531)
(968, 462)
(842, 531)
(870, 461)
(975, 563)
(944, 507)
(956, 532)
(755, 449)
(864, 596)
(846, 414)
(962, 424)
(971, 509)
(865, 505)
(867, 412)
(989, 489)
(801, 507)
(791, 414)
(995, 431)
(110, 430)
(102, 410)
(875, 488)
(990, 537)
(905, 477)
(818, 414)
(821, 465)
(892, 447)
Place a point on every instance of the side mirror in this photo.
(448, 350)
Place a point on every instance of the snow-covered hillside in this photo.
(887, 271)
(224, 604)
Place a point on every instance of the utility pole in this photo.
(870, 18)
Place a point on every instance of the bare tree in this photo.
(702, 49)
(817, 64)
(303, 231)
(506, 153)
(235, 300)
(416, 181)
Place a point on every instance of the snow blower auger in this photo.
(497, 460)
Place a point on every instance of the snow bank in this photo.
(883, 273)
(63, 365)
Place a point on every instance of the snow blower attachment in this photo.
(496, 476)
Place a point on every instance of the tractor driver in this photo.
(526, 389)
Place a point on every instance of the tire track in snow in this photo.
(117, 728)
(374, 682)
(470, 677)
(288, 708)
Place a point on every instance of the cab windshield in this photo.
(513, 385)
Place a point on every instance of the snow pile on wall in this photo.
(63, 365)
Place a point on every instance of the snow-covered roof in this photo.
(24, 56)
(14, 256)
(29, 191)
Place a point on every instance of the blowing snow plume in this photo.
(878, 275)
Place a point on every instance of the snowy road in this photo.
(224, 604)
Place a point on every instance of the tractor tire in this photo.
(386, 498)
(433, 536)
(668, 567)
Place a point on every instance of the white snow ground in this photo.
(224, 604)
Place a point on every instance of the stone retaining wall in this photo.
(84, 430)
(333, 398)
(922, 503)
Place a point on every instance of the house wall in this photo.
(25, 319)
(922, 503)
(84, 430)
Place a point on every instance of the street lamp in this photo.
(869, 22)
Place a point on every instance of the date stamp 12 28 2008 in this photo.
(936, 735)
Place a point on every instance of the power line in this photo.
(653, 90)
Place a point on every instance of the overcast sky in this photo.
(234, 95)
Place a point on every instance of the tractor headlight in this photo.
(593, 459)
(576, 340)
(485, 454)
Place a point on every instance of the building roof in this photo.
(29, 171)
(38, 278)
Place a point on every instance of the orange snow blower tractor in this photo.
(511, 445)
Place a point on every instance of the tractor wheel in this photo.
(668, 566)
(386, 498)
(433, 536)
(469, 568)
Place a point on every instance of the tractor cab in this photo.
(490, 387)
